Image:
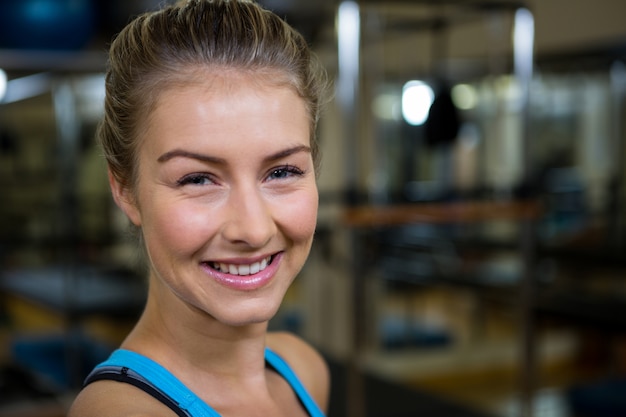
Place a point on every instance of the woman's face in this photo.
(226, 196)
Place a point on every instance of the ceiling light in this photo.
(417, 97)
(3, 84)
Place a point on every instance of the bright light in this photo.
(417, 97)
(3, 84)
(464, 96)
(348, 34)
(523, 43)
(26, 87)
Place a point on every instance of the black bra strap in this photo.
(123, 374)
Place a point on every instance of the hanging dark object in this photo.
(443, 122)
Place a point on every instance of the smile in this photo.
(242, 269)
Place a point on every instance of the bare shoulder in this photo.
(306, 362)
(116, 399)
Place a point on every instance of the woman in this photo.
(209, 125)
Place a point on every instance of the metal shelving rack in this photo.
(349, 85)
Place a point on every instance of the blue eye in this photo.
(195, 179)
(285, 172)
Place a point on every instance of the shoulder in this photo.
(306, 362)
(116, 399)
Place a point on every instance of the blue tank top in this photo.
(148, 375)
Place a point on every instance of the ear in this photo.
(124, 200)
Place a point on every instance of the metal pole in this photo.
(68, 132)
(348, 83)
(523, 43)
(617, 220)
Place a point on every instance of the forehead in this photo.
(226, 85)
(223, 77)
(226, 108)
(217, 79)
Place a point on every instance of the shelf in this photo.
(77, 292)
(85, 61)
(600, 312)
(441, 213)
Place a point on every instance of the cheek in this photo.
(301, 216)
(179, 226)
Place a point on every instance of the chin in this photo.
(253, 316)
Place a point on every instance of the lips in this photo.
(239, 269)
(244, 277)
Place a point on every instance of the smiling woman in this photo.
(203, 202)
(217, 170)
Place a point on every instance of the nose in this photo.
(249, 218)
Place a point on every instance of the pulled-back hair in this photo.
(185, 43)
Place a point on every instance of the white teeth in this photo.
(243, 269)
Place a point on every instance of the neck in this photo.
(186, 339)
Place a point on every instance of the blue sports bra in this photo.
(149, 376)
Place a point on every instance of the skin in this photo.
(225, 176)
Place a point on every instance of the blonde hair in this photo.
(172, 46)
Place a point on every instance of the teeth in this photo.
(243, 269)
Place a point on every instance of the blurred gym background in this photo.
(470, 256)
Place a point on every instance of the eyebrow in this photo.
(181, 153)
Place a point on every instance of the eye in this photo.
(196, 179)
(284, 172)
